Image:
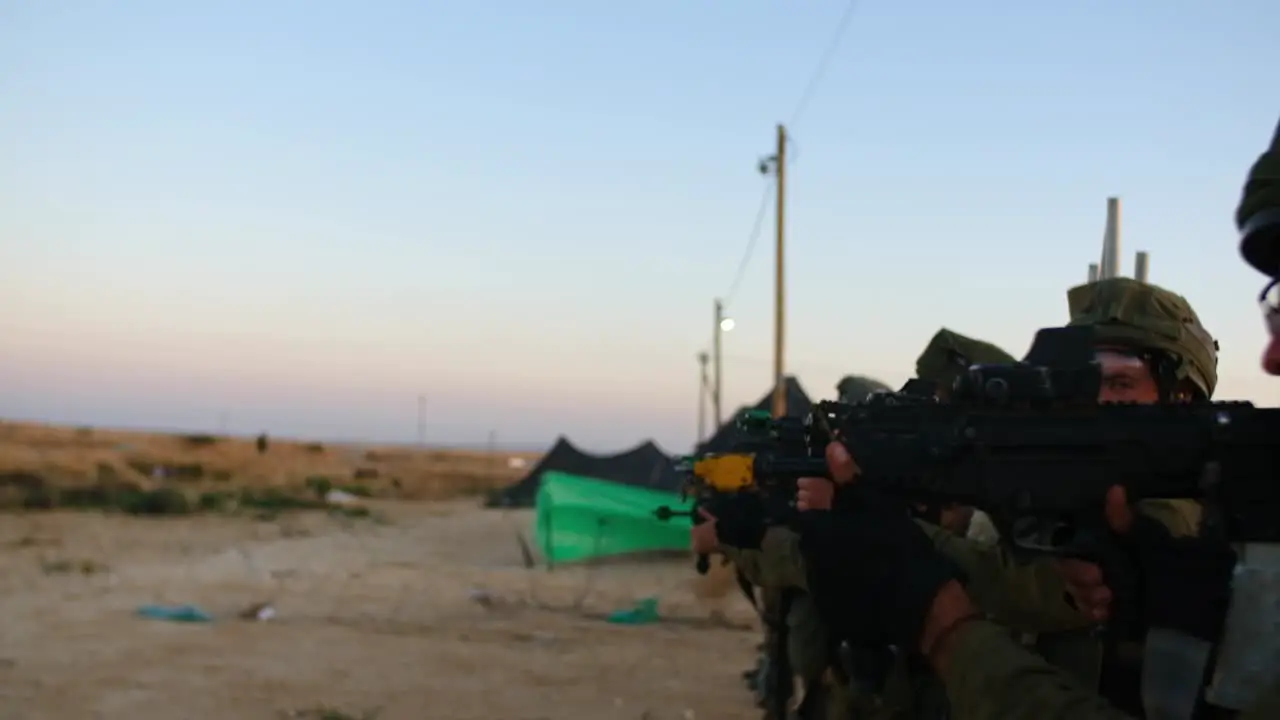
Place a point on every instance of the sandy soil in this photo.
(428, 614)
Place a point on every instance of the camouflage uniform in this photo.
(1029, 598)
(990, 676)
(776, 566)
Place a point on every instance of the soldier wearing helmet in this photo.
(943, 360)
(856, 388)
(1150, 342)
(985, 673)
(1152, 348)
(1172, 359)
(949, 354)
(1029, 598)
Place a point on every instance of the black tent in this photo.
(644, 466)
(729, 436)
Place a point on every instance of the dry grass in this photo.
(37, 461)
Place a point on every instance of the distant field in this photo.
(43, 466)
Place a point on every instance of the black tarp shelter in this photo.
(645, 465)
(728, 436)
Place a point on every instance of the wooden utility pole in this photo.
(703, 391)
(717, 377)
(779, 308)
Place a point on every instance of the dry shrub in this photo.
(117, 463)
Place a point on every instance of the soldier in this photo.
(856, 388)
(769, 558)
(949, 354)
(1029, 597)
(985, 672)
(946, 356)
(1152, 348)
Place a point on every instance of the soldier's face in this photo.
(1126, 378)
(1270, 301)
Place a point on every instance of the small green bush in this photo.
(215, 501)
(39, 498)
(276, 500)
(319, 485)
(161, 501)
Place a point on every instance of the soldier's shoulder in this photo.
(1181, 517)
(991, 675)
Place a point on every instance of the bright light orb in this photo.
(726, 324)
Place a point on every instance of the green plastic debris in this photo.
(644, 612)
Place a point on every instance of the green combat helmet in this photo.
(1258, 215)
(1133, 315)
(856, 388)
(949, 353)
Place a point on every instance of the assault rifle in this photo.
(1029, 444)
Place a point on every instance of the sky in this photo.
(298, 217)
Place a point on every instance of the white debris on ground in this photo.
(339, 498)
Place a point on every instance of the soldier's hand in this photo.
(1086, 587)
(1117, 511)
(1185, 581)
(703, 536)
(1084, 581)
(814, 493)
(841, 464)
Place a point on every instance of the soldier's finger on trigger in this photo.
(1116, 510)
(843, 467)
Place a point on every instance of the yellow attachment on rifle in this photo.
(726, 473)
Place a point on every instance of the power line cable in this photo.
(756, 229)
(824, 63)
(810, 88)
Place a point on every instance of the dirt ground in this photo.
(427, 613)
